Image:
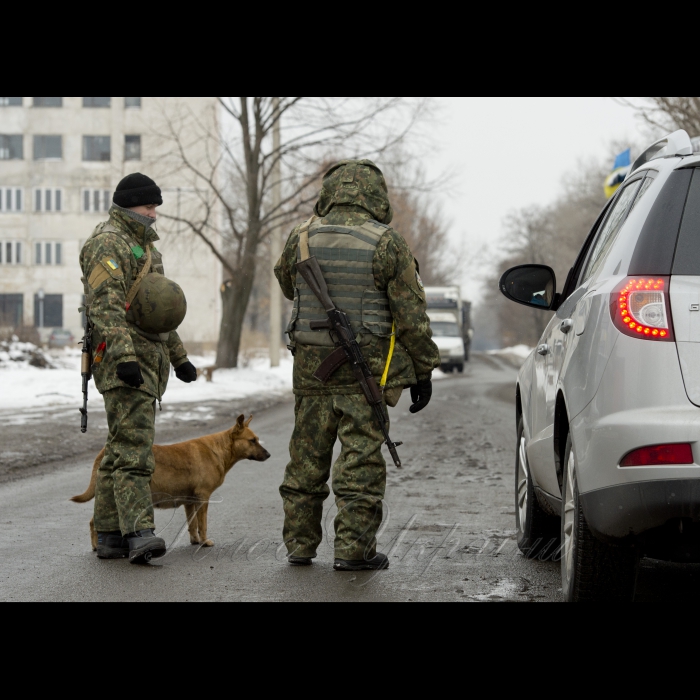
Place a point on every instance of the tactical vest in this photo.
(345, 254)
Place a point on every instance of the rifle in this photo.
(86, 371)
(349, 350)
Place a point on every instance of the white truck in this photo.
(450, 321)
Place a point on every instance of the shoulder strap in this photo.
(304, 238)
(137, 282)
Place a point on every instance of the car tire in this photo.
(537, 531)
(460, 368)
(591, 570)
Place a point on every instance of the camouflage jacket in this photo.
(415, 354)
(110, 262)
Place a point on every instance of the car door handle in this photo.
(566, 325)
(543, 349)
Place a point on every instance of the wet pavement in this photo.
(449, 525)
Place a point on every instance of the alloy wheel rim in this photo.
(522, 484)
(569, 516)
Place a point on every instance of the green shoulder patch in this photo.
(137, 250)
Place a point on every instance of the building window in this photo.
(10, 252)
(97, 101)
(10, 199)
(132, 148)
(95, 201)
(129, 102)
(11, 310)
(48, 253)
(10, 101)
(47, 101)
(48, 147)
(48, 312)
(48, 199)
(11, 147)
(97, 148)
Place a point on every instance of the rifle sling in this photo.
(304, 238)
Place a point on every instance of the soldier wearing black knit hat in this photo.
(133, 312)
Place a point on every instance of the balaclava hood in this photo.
(355, 182)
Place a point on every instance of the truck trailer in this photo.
(450, 320)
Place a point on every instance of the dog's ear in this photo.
(247, 423)
(240, 423)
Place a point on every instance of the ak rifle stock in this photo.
(349, 350)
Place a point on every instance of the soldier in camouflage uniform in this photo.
(373, 277)
(134, 343)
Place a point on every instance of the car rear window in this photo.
(654, 252)
(687, 259)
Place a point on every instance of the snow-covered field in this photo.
(24, 386)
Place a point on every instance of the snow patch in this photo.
(23, 386)
(16, 355)
(521, 351)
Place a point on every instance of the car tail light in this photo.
(640, 307)
(680, 453)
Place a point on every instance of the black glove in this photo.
(420, 395)
(186, 372)
(130, 373)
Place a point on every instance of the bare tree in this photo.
(417, 217)
(231, 169)
(550, 235)
(666, 113)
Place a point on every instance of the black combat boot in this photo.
(111, 545)
(380, 561)
(144, 546)
(299, 561)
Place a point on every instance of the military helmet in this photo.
(355, 182)
(160, 305)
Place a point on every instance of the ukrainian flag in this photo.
(621, 168)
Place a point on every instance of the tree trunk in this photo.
(235, 295)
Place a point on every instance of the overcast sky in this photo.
(510, 152)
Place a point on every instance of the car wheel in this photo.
(460, 368)
(591, 570)
(537, 531)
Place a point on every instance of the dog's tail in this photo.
(90, 493)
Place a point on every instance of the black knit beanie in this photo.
(137, 190)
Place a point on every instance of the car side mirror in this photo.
(531, 285)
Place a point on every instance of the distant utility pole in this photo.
(275, 244)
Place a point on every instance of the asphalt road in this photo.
(449, 526)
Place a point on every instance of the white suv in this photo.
(608, 405)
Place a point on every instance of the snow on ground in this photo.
(23, 386)
(521, 351)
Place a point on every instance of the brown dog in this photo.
(187, 474)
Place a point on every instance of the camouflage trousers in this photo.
(359, 476)
(123, 490)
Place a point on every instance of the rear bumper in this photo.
(628, 510)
